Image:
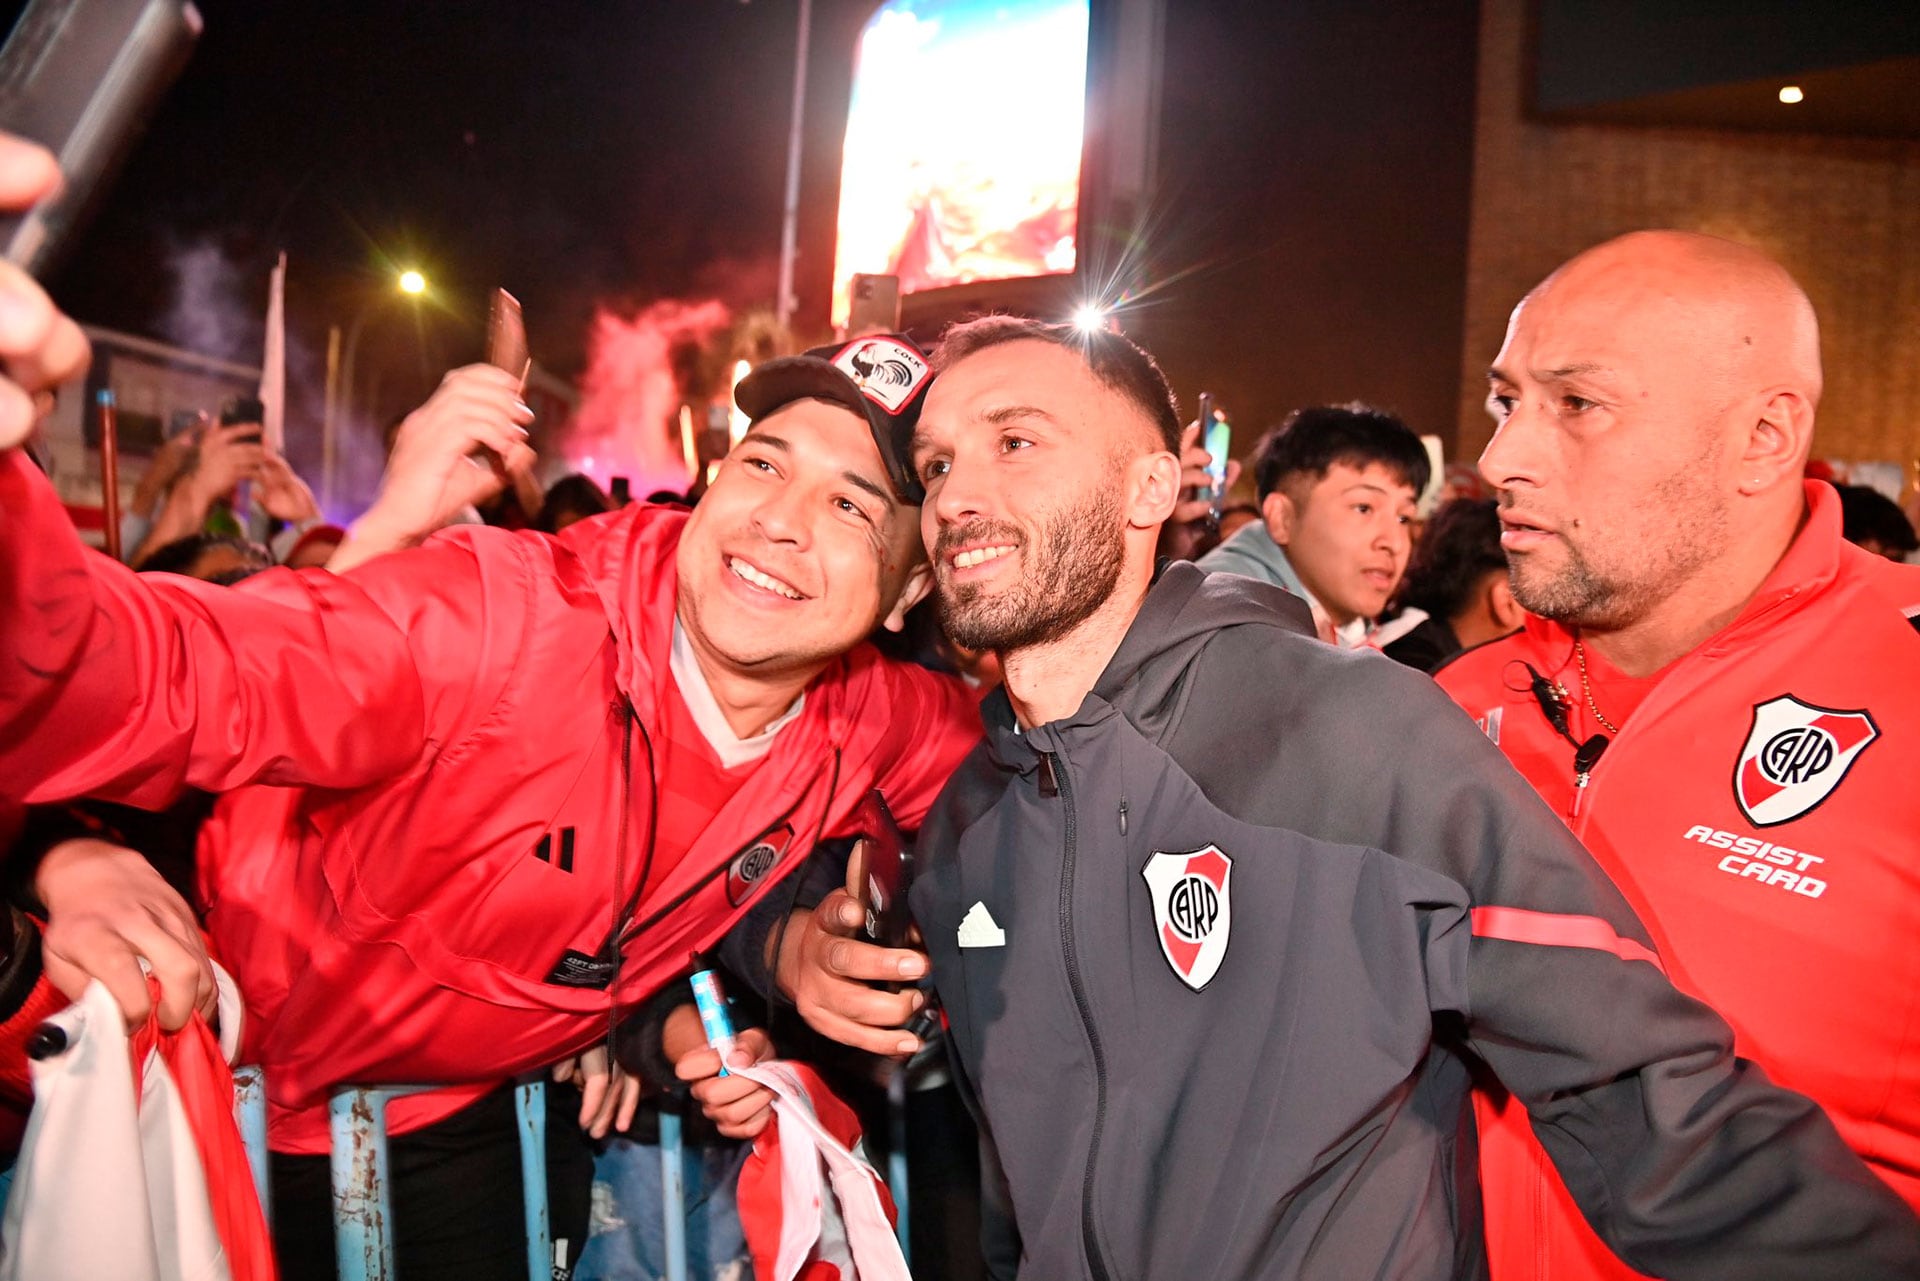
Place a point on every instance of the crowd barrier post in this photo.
(362, 1196)
(250, 1113)
(530, 1111)
(897, 1155)
(673, 1195)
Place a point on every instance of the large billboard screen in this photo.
(962, 159)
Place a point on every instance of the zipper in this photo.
(1053, 781)
(1585, 758)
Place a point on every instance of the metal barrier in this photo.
(362, 1188)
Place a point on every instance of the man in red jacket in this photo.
(513, 782)
(1715, 691)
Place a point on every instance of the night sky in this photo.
(574, 152)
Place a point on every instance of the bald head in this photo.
(1655, 399)
(1736, 313)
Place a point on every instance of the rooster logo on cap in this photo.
(891, 371)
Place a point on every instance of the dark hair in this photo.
(182, 554)
(1866, 515)
(1120, 364)
(573, 495)
(1460, 547)
(1313, 440)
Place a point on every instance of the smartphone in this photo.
(886, 875)
(244, 409)
(1217, 436)
(873, 305)
(1204, 417)
(621, 491)
(507, 336)
(81, 78)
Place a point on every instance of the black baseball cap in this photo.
(881, 377)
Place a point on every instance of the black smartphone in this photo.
(1205, 418)
(621, 491)
(886, 874)
(81, 78)
(244, 409)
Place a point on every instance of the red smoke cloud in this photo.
(629, 399)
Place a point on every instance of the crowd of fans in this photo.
(142, 831)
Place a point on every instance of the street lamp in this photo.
(339, 403)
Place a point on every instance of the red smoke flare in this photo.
(629, 399)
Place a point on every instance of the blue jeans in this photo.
(626, 1239)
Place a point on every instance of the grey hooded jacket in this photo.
(1220, 950)
(1250, 550)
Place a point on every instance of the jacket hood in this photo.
(1143, 681)
(628, 555)
(1251, 550)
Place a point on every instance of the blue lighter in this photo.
(712, 1004)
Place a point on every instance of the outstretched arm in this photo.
(131, 687)
(1687, 1160)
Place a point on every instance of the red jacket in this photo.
(426, 722)
(1760, 809)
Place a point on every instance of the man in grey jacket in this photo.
(1223, 917)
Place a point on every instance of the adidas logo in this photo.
(980, 930)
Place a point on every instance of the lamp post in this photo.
(786, 302)
(340, 375)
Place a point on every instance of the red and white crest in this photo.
(1795, 755)
(1192, 911)
(752, 866)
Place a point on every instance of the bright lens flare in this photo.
(1089, 319)
(412, 282)
(1791, 94)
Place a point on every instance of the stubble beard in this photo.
(1647, 569)
(1070, 569)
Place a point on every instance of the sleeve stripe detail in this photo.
(1552, 929)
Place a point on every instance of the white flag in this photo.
(273, 367)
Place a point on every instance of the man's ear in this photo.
(1280, 515)
(1778, 440)
(1153, 489)
(1500, 604)
(919, 583)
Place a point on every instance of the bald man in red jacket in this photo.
(1718, 694)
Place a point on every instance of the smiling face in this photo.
(798, 549)
(1034, 473)
(1348, 535)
